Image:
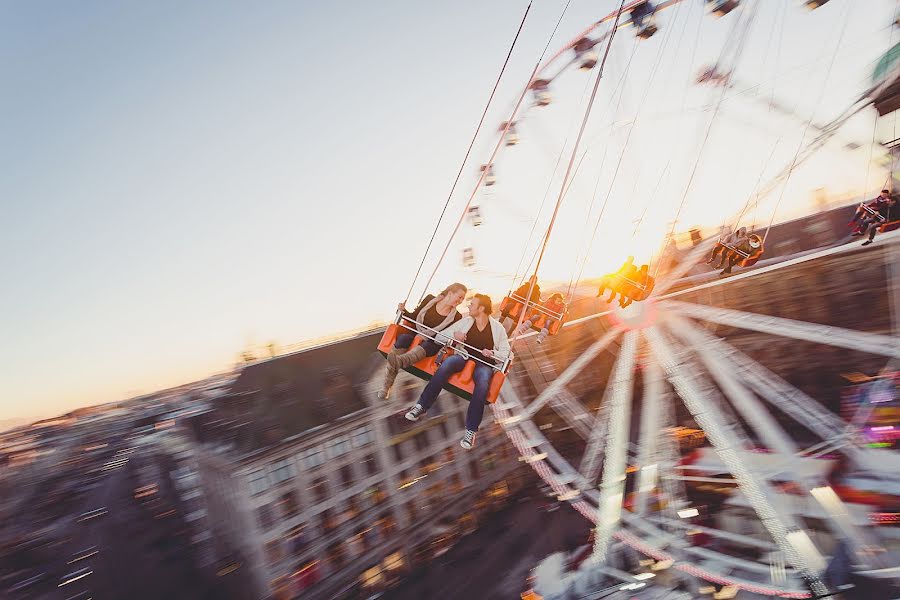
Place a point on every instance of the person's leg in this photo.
(527, 323)
(431, 347)
(402, 342)
(873, 229)
(452, 364)
(482, 378)
(723, 258)
(715, 252)
(407, 359)
(545, 331)
(732, 260)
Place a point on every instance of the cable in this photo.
(810, 120)
(563, 188)
(496, 148)
(468, 151)
(741, 39)
(624, 148)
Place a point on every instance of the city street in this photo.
(138, 552)
(494, 562)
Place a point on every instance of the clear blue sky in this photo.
(182, 179)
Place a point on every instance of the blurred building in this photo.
(325, 491)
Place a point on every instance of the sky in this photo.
(182, 181)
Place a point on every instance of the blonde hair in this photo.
(454, 287)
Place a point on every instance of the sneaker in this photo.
(382, 395)
(542, 336)
(867, 242)
(856, 233)
(468, 440)
(414, 413)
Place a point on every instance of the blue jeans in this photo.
(481, 377)
(405, 340)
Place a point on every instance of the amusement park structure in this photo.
(670, 366)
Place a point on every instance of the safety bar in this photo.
(641, 286)
(537, 307)
(451, 342)
(735, 249)
(872, 211)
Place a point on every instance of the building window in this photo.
(259, 482)
(411, 511)
(443, 427)
(370, 464)
(281, 470)
(264, 517)
(329, 523)
(297, 539)
(362, 436)
(274, 552)
(373, 496)
(398, 453)
(319, 489)
(489, 461)
(352, 508)
(337, 447)
(312, 458)
(387, 524)
(421, 440)
(346, 475)
(473, 468)
(336, 555)
(404, 478)
(288, 504)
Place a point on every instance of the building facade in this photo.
(348, 496)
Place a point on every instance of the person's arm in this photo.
(460, 327)
(412, 314)
(501, 343)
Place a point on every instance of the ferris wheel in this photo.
(659, 359)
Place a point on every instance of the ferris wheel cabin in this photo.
(886, 82)
(720, 8)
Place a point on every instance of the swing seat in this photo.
(460, 384)
(643, 290)
(517, 303)
(514, 304)
(889, 226)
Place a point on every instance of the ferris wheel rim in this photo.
(539, 452)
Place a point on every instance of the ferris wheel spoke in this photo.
(648, 459)
(694, 256)
(872, 343)
(802, 408)
(564, 403)
(771, 433)
(569, 374)
(793, 541)
(765, 426)
(612, 487)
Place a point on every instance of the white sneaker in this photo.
(414, 413)
(468, 440)
(542, 336)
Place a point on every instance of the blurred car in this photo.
(92, 514)
(74, 576)
(83, 554)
